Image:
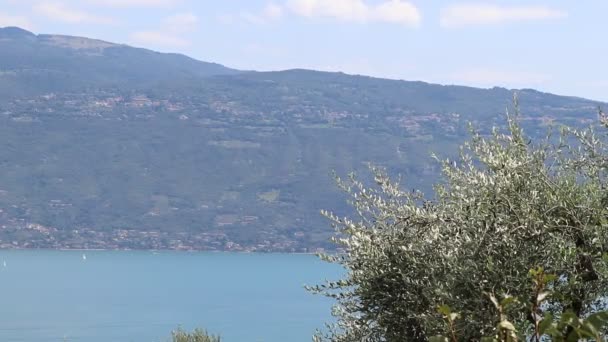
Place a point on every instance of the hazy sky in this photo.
(557, 46)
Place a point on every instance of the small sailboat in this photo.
(84, 256)
(4, 263)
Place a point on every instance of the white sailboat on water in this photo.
(4, 263)
(84, 256)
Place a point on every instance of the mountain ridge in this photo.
(126, 148)
(67, 63)
(14, 31)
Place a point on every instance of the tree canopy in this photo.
(506, 206)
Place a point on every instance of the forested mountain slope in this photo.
(109, 146)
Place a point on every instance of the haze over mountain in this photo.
(51, 63)
(110, 146)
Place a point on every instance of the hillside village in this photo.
(114, 147)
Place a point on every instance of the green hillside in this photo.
(33, 64)
(109, 146)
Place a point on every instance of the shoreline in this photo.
(156, 251)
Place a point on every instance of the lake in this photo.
(142, 296)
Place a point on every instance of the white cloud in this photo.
(170, 33)
(60, 12)
(159, 38)
(391, 11)
(181, 22)
(397, 12)
(388, 11)
(482, 14)
(135, 3)
(341, 9)
(15, 20)
(270, 13)
(487, 77)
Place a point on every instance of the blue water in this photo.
(143, 296)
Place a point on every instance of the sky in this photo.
(556, 46)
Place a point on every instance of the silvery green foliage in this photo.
(505, 206)
(198, 335)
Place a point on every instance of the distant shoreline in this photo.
(155, 251)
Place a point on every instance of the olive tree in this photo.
(198, 335)
(505, 206)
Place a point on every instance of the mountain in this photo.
(110, 146)
(36, 64)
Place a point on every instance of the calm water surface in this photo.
(142, 296)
